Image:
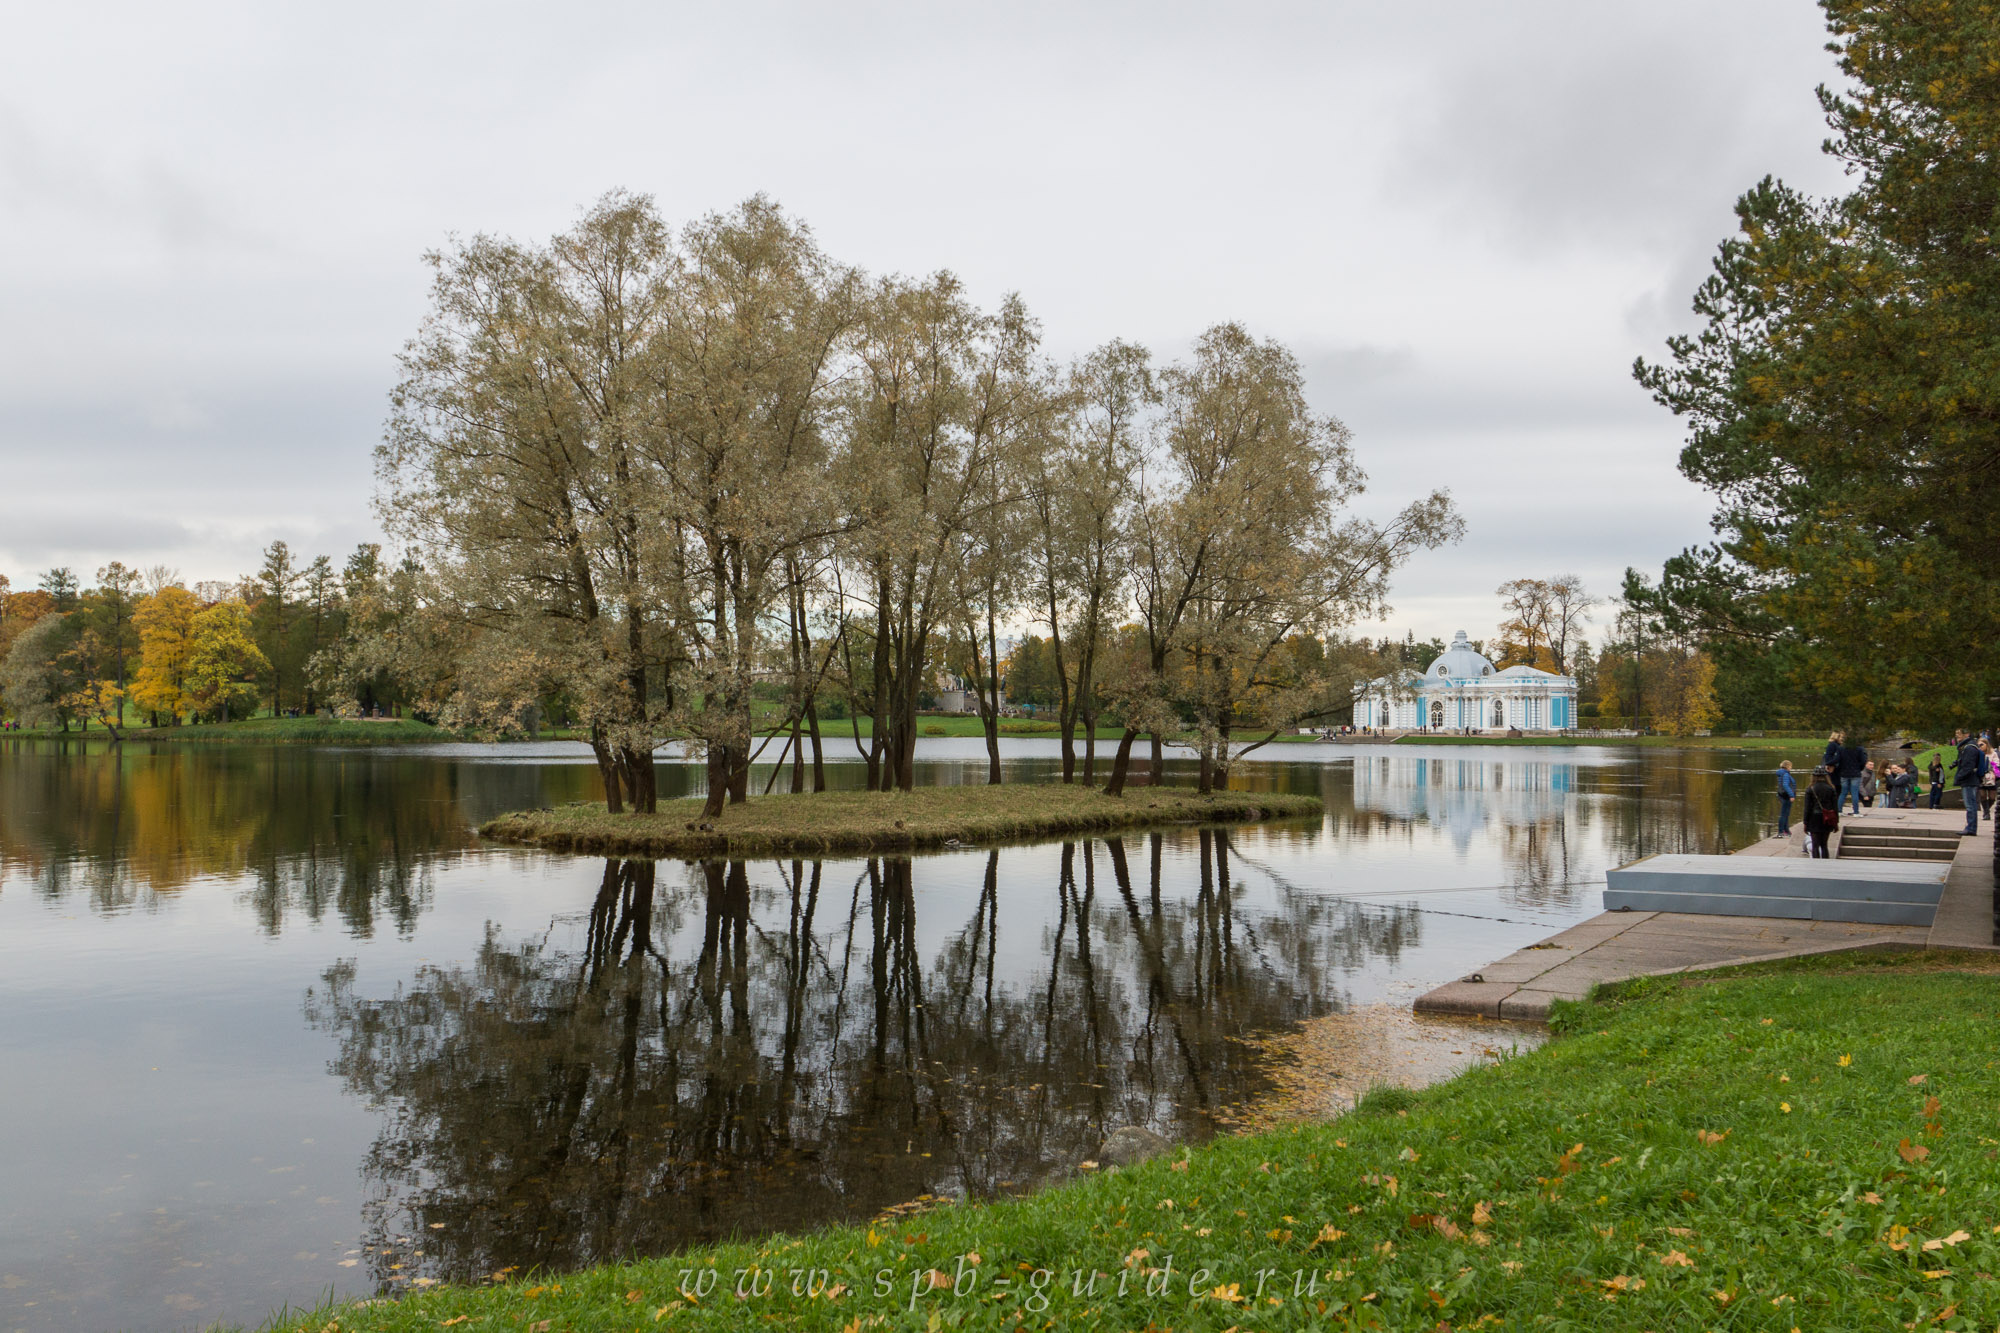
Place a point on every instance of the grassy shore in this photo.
(259, 731)
(861, 821)
(1797, 1147)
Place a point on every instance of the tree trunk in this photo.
(1156, 769)
(798, 759)
(718, 781)
(819, 755)
(1121, 763)
(607, 768)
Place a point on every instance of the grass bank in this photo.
(862, 821)
(259, 731)
(1801, 1147)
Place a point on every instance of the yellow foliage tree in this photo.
(1686, 700)
(223, 662)
(165, 622)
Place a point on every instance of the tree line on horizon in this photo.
(291, 638)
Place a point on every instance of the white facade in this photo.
(1463, 691)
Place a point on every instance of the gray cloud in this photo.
(1467, 218)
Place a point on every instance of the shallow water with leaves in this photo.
(275, 1023)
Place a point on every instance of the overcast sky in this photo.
(1466, 217)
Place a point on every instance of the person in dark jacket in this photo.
(1853, 762)
(1902, 787)
(1966, 775)
(1830, 760)
(1822, 813)
(1937, 780)
(1788, 788)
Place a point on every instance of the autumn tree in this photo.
(224, 662)
(915, 472)
(1241, 544)
(513, 466)
(1545, 621)
(165, 625)
(39, 677)
(742, 382)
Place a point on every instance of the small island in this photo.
(816, 823)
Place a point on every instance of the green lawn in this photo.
(1810, 1146)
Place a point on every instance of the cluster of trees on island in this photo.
(644, 469)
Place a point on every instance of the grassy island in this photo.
(863, 821)
(1807, 1145)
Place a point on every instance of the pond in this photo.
(274, 1022)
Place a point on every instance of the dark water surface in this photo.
(275, 1023)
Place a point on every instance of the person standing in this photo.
(1902, 787)
(1967, 774)
(1937, 780)
(1987, 785)
(1822, 814)
(1788, 788)
(1868, 784)
(1830, 759)
(1853, 762)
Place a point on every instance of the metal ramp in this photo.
(1879, 891)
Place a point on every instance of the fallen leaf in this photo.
(1846, 1060)
(1624, 1282)
(450, 1322)
(1179, 1166)
(1912, 1152)
(1933, 1274)
(1327, 1235)
(1931, 1107)
(1675, 1259)
(1939, 1242)
(1481, 1214)
(1916, 1079)
(541, 1327)
(1871, 1197)
(1407, 1155)
(1710, 1137)
(1786, 1107)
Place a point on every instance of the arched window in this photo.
(1499, 714)
(1437, 713)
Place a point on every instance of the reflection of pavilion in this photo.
(1463, 796)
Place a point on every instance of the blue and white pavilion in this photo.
(1463, 691)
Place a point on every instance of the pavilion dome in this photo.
(1459, 662)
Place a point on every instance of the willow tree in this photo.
(513, 463)
(1080, 503)
(1242, 544)
(917, 472)
(744, 388)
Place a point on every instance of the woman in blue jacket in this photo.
(1788, 788)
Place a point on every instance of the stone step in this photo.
(1861, 829)
(1796, 909)
(1875, 852)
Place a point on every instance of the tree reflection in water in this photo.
(750, 1048)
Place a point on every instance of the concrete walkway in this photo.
(1614, 946)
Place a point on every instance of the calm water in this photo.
(274, 1023)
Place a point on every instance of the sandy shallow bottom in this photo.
(1320, 1070)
